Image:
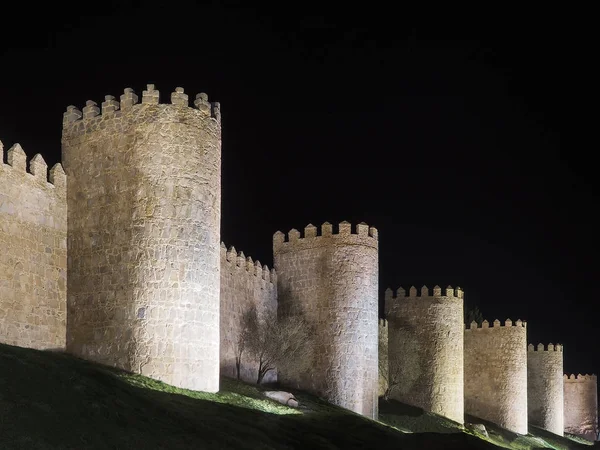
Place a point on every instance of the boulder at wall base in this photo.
(478, 428)
(285, 398)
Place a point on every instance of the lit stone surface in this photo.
(244, 283)
(383, 356)
(33, 260)
(426, 344)
(581, 405)
(333, 279)
(496, 374)
(144, 203)
(545, 387)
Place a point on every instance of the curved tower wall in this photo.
(144, 201)
(496, 373)
(332, 280)
(581, 405)
(545, 387)
(426, 349)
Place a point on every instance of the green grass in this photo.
(55, 401)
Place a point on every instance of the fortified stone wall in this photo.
(581, 405)
(383, 356)
(426, 349)
(144, 202)
(33, 259)
(545, 387)
(332, 279)
(496, 373)
(244, 284)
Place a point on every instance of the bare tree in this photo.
(248, 323)
(388, 371)
(277, 341)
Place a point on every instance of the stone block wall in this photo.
(144, 204)
(426, 349)
(383, 356)
(581, 405)
(244, 283)
(496, 373)
(332, 278)
(545, 387)
(33, 256)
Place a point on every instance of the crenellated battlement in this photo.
(423, 293)
(541, 348)
(91, 117)
(361, 234)
(38, 172)
(241, 262)
(33, 263)
(496, 324)
(579, 378)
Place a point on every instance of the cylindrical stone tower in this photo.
(426, 349)
(144, 202)
(331, 279)
(496, 373)
(545, 387)
(581, 405)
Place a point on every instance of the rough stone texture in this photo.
(144, 202)
(426, 344)
(545, 387)
(581, 405)
(33, 260)
(332, 279)
(244, 283)
(383, 356)
(496, 373)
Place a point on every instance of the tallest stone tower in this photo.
(144, 204)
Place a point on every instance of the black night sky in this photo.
(467, 143)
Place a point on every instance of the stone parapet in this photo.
(33, 260)
(244, 284)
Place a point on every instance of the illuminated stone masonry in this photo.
(332, 279)
(426, 348)
(496, 373)
(244, 284)
(545, 387)
(33, 260)
(383, 356)
(144, 202)
(118, 259)
(581, 405)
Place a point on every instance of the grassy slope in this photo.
(55, 401)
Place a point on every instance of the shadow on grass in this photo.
(536, 439)
(407, 417)
(55, 401)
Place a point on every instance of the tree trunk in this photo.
(260, 373)
(238, 364)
